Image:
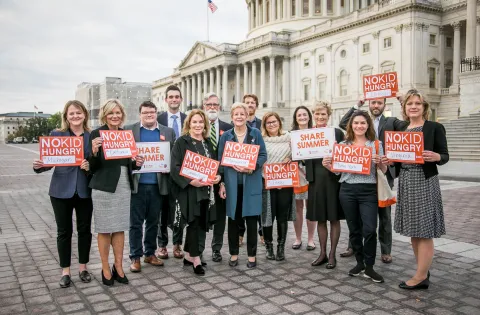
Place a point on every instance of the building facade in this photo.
(299, 51)
(130, 94)
(10, 123)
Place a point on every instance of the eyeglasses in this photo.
(210, 105)
(148, 113)
(271, 123)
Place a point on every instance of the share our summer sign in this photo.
(61, 150)
(381, 85)
(406, 147)
(312, 143)
(118, 144)
(156, 157)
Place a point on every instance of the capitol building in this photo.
(299, 51)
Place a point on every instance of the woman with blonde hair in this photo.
(419, 211)
(111, 184)
(69, 190)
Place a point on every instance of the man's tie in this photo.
(213, 135)
(175, 126)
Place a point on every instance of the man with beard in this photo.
(251, 100)
(380, 124)
(211, 106)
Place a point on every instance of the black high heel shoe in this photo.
(419, 286)
(199, 270)
(107, 282)
(117, 277)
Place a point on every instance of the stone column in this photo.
(184, 93)
(188, 98)
(257, 15)
(351, 6)
(262, 81)
(441, 44)
(225, 100)
(456, 52)
(218, 81)
(324, 7)
(237, 85)
(286, 78)
(273, 11)
(254, 77)
(264, 12)
(477, 50)
(299, 79)
(293, 79)
(279, 10)
(298, 8)
(194, 89)
(471, 28)
(313, 62)
(249, 17)
(272, 81)
(338, 9)
(199, 89)
(211, 88)
(311, 7)
(245, 78)
(286, 9)
(364, 4)
(205, 83)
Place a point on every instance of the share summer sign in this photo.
(312, 143)
(118, 144)
(61, 150)
(156, 156)
(382, 85)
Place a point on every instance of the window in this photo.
(294, 9)
(13, 128)
(387, 42)
(364, 71)
(343, 53)
(448, 77)
(318, 7)
(387, 66)
(305, 7)
(321, 59)
(321, 89)
(448, 42)
(343, 83)
(433, 39)
(366, 48)
(306, 92)
(432, 77)
(306, 62)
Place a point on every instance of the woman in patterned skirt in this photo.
(419, 212)
(112, 185)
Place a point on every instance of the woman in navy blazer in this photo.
(242, 186)
(69, 190)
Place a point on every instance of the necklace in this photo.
(241, 134)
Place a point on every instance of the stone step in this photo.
(464, 158)
(452, 146)
(464, 151)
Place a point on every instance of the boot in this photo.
(268, 230)
(282, 237)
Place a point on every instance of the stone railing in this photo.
(445, 91)
(470, 64)
(163, 81)
(265, 38)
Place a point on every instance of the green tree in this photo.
(36, 127)
(55, 121)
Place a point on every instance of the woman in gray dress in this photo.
(419, 212)
(111, 189)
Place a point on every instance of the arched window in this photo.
(343, 83)
(365, 70)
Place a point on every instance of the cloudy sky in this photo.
(48, 47)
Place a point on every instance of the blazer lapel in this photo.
(136, 132)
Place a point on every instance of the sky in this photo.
(48, 47)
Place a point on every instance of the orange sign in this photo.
(61, 150)
(380, 85)
(405, 147)
(118, 144)
(196, 166)
(240, 154)
(279, 175)
(351, 159)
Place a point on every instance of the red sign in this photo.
(196, 166)
(351, 159)
(240, 154)
(118, 144)
(380, 85)
(405, 147)
(279, 175)
(61, 151)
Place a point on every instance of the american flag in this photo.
(212, 6)
(35, 107)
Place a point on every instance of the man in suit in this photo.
(149, 190)
(211, 106)
(381, 124)
(251, 100)
(174, 119)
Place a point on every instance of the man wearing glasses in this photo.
(174, 119)
(149, 190)
(211, 106)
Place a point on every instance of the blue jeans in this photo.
(145, 206)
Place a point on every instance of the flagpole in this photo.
(208, 26)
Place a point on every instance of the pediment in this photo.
(199, 52)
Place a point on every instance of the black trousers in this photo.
(219, 226)
(63, 210)
(233, 228)
(162, 234)
(281, 203)
(196, 233)
(360, 205)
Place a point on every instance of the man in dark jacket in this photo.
(380, 124)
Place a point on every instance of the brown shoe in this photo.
(153, 260)
(347, 253)
(387, 259)
(135, 266)
(162, 253)
(177, 251)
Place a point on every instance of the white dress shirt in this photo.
(170, 120)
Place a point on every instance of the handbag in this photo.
(386, 196)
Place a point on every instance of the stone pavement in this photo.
(29, 271)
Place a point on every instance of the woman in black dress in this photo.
(323, 204)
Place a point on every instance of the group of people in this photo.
(122, 200)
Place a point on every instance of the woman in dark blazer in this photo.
(111, 184)
(195, 198)
(69, 190)
(242, 186)
(419, 211)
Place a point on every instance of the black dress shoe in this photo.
(199, 270)
(233, 263)
(319, 262)
(419, 286)
(107, 282)
(65, 281)
(251, 264)
(85, 276)
(189, 263)
(216, 256)
(332, 266)
(117, 277)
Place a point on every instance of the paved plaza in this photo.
(29, 271)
